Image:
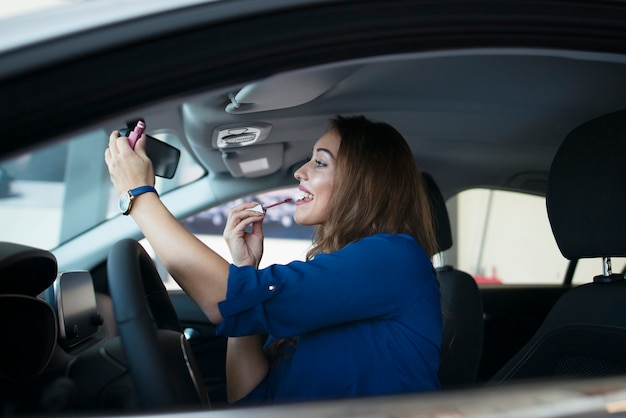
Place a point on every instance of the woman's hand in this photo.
(246, 247)
(128, 168)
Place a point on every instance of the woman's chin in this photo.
(301, 219)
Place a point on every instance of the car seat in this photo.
(461, 304)
(584, 335)
(28, 324)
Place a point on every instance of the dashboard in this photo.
(58, 339)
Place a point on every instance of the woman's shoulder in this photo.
(397, 254)
(389, 245)
(376, 258)
(386, 239)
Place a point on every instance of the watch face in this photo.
(124, 202)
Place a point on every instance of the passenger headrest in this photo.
(25, 270)
(440, 213)
(586, 196)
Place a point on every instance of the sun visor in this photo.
(254, 161)
(25, 270)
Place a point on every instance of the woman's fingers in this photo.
(241, 216)
(113, 141)
(127, 168)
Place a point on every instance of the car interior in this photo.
(585, 173)
(93, 324)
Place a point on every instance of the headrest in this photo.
(25, 270)
(586, 196)
(440, 213)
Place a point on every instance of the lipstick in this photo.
(136, 133)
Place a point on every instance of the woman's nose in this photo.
(299, 174)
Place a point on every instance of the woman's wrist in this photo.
(144, 201)
(247, 262)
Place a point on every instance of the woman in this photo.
(361, 316)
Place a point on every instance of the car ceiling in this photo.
(492, 117)
(483, 91)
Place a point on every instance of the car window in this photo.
(54, 193)
(504, 237)
(285, 241)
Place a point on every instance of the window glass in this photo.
(504, 237)
(285, 241)
(55, 193)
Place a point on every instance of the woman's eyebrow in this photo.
(327, 151)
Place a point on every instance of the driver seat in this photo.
(584, 335)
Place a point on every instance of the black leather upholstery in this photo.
(585, 332)
(28, 324)
(25, 270)
(29, 333)
(462, 309)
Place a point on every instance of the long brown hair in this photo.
(377, 188)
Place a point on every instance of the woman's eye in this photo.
(319, 163)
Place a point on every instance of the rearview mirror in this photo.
(164, 157)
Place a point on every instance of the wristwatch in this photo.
(126, 198)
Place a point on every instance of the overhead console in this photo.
(240, 156)
(243, 146)
(241, 131)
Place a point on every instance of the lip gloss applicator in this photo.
(261, 209)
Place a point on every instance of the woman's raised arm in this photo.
(200, 271)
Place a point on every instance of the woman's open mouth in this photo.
(304, 197)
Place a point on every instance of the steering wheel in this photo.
(161, 363)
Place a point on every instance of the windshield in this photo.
(53, 194)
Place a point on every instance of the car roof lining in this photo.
(425, 96)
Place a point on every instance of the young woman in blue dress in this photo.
(360, 317)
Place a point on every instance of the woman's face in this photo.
(316, 179)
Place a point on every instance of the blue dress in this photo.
(367, 318)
